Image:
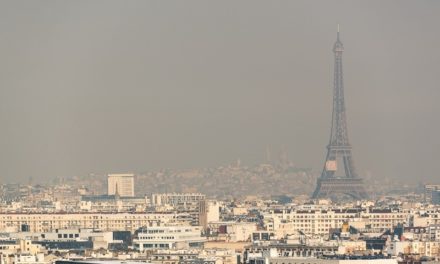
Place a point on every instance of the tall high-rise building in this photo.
(120, 184)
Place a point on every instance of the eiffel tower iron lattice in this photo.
(339, 147)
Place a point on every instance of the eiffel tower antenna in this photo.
(339, 147)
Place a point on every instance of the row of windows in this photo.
(156, 245)
(154, 237)
(320, 216)
(64, 235)
(55, 216)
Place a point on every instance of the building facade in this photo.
(120, 184)
(320, 222)
(103, 221)
(169, 237)
(175, 199)
(209, 211)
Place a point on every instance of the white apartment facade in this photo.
(169, 237)
(319, 222)
(209, 211)
(173, 199)
(103, 221)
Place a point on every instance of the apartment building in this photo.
(209, 211)
(175, 199)
(14, 246)
(320, 222)
(103, 221)
(169, 237)
(430, 192)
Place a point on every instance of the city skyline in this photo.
(141, 87)
(194, 132)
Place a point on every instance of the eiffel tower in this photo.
(339, 148)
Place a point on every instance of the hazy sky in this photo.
(111, 86)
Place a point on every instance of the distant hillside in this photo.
(229, 181)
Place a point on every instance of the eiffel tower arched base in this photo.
(326, 188)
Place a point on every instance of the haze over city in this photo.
(219, 132)
(112, 86)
